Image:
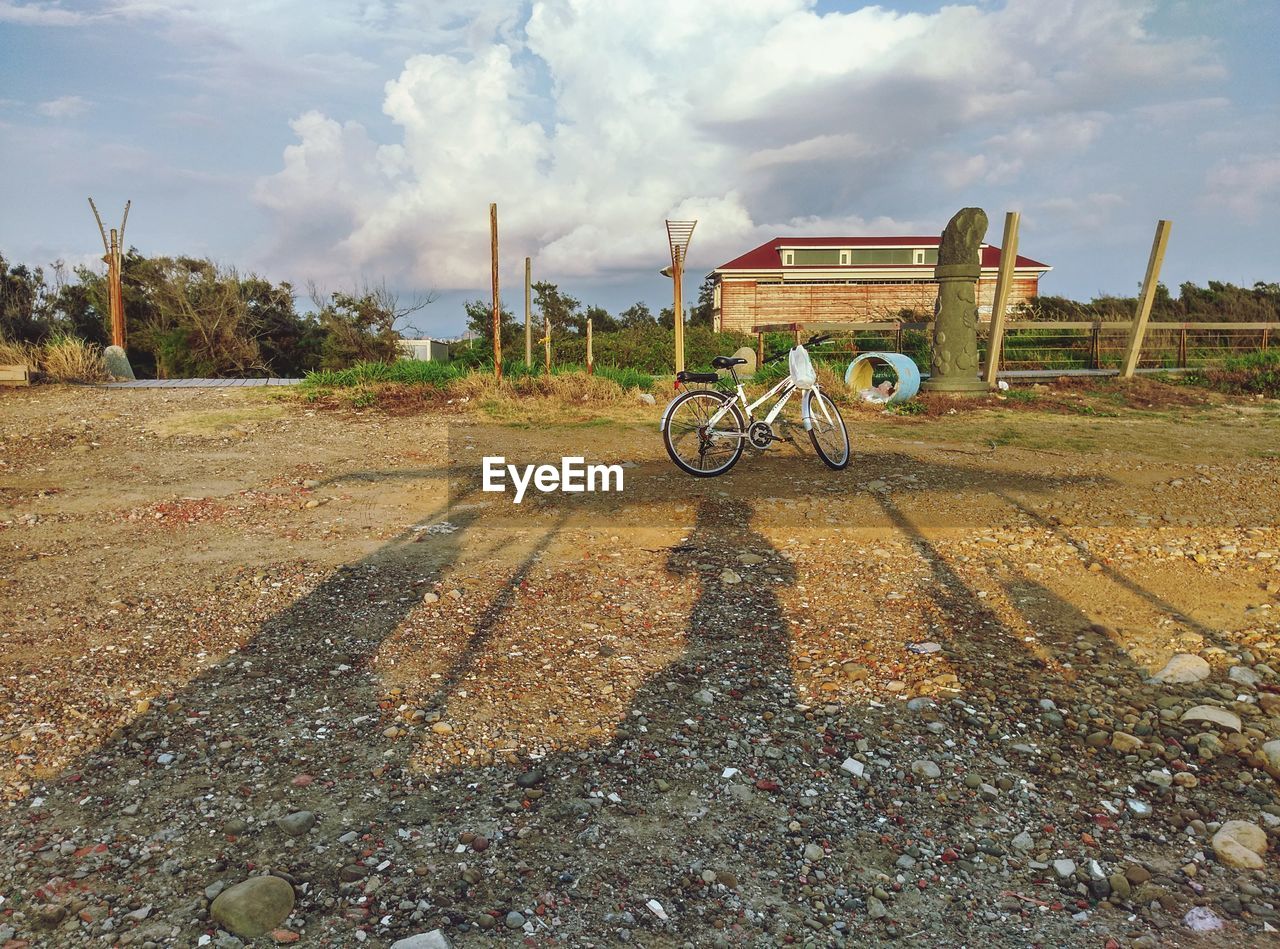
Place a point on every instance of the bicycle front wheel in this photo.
(826, 430)
(698, 445)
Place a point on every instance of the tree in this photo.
(638, 314)
(601, 321)
(480, 322)
(358, 329)
(666, 318)
(560, 307)
(703, 312)
(24, 302)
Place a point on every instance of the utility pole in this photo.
(528, 321)
(497, 306)
(114, 260)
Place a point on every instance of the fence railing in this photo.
(1047, 345)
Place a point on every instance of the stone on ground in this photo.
(1214, 715)
(254, 906)
(1241, 843)
(432, 940)
(117, 363)
(1182, 669)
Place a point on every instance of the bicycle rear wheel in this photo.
(697, 446)
(826, 430)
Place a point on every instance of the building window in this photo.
(814, 258)
(844, 258)
(882, 257)
(788, 258)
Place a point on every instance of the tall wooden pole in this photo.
(114, 259)
(528, 318)
(591, 362)
(1004, 281)
(677, 271)
(497, 305)
(546, 341)
(1145, 299)
(679, 233)
(115, 294)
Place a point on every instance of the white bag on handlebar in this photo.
(802, 373)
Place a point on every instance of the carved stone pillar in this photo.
(955, 367)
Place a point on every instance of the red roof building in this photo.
(848, 280)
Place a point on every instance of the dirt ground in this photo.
(909, 700)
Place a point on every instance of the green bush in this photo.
(407, 371)
(1256, 373)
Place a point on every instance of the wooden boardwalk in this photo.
(198, 383)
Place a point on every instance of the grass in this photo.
(440, 375)
(17, 354)
(61, 358)
(403, 372)
(1256, 373)
(70, 359)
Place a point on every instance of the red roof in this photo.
(766, 256)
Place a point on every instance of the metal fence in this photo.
(1059, 346)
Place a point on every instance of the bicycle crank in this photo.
(760, 435)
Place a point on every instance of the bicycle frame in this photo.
(783, 390)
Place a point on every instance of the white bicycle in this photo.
(706, 430)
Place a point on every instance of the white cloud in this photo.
(39, 14)
(592, 121)
(64, 107)
(1249, 186)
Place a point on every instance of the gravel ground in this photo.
(925, 699)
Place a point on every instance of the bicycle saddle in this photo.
(724, 362)
(686, 376)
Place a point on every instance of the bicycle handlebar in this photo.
(811, 341)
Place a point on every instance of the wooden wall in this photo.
(744, 303)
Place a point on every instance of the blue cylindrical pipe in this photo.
(858, 375)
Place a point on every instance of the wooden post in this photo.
(1145, 299)
(677, 273)
(1182, 347)
(115, 295)
(759, 351)
(528, 319)
(1004, 282)
(1266, 338)
(497, 306)
(679, 233)
(591, 362)
(546, 340)
(1095, 346)
(114, 259)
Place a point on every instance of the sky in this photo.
(351, 143)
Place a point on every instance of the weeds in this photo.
(70, 359)
(18, 354)
(1256, 373)
(61, 358)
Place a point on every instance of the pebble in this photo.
(254, 906)
(432, 940)
(925, 769)
(297, 823)
(814, 852)
(1124, 743)
(514, 920)
(1241, 843)
(1214, 715)
(1182, 669)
